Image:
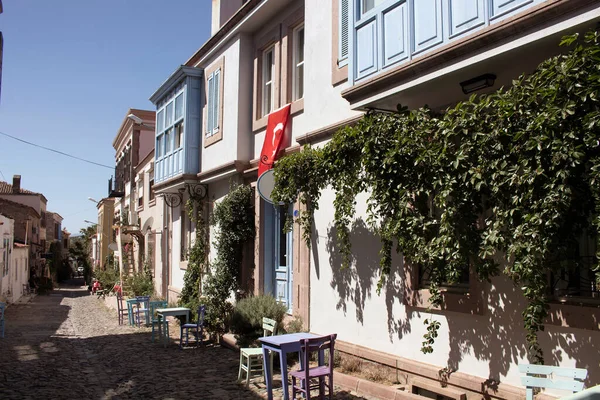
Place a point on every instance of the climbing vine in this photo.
(233, 218)
(197, 256)
(510, 176)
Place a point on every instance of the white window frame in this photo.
(297, 91)
(270, 93)
(166, 131)
(213, 102)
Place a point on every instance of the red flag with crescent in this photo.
(273, 137)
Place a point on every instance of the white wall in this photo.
(19, 273)
(225, 150)
(6, 232)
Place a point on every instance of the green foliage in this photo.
(248, 314)
(197, 257)
(234, 220)
(510, 176)
(432, 333)
(295, 326)
(107, 278)
(138, 284)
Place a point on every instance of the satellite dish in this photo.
(113, 247)
(265, 185)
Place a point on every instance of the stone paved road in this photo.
(68, 345)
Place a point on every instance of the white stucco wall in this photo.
(6, 252)
(488, 346)
(19, 273)
(226, 150)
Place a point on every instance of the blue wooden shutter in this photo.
(344, 31)
(216, 99)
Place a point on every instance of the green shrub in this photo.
(246, 320)
(295, 325)
(139, 284)
(107, 278)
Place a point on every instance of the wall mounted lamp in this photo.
(478, 83)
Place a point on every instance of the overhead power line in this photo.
(56, 151)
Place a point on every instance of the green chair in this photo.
(154, 318)
(251, 358)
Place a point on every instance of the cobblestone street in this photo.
(68, 345)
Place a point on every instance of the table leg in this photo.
(158, 317)
(284, 374)
(130, 313)
(268, 373)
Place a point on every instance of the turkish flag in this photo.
(274, 136)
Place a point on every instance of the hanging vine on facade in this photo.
(511, 175)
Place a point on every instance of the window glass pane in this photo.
(160, 120)
(300, 82)
(168, 141)
(298, 89)
(216, 100)
(169, 114)
(179, 106)
(267, 89)
(300, 45)
(209, 105)
(268, 65)
(368, 5)
(159, 145)
(179, 135)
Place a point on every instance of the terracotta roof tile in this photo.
(6, 188)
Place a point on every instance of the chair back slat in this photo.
(269, 327)
(547, 383)
(315, 345)
(157, 304)
(575, 373)
(575, 384)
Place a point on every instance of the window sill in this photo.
(140, 208)
(581, 313)
(296, 108)
(152, 203)
(214, 138)
(260, 123)
(455, 300)
(183, 265)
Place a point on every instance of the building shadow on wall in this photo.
(358, 282)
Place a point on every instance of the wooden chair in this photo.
(141, 310)
(575, 384)
(251, 358)
(154, 319)
(197, 326)
(320, 372)
(2, 308)
(121, 309)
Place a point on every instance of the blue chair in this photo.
(2, 307)
(197, 326)
(575, 384)
(141, 311)
(154, 319)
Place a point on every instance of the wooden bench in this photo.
(534, 380)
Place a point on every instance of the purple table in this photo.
(282, 344)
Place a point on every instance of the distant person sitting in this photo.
(118, 290)
(96, 286)
(32, 284)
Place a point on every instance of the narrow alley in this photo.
(68, 345)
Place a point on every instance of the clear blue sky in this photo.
(71, 70)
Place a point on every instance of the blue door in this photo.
(278, 255)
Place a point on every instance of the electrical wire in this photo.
(2, 175)
(56, 151)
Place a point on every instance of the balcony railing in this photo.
(116, 188)
(395, 31)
